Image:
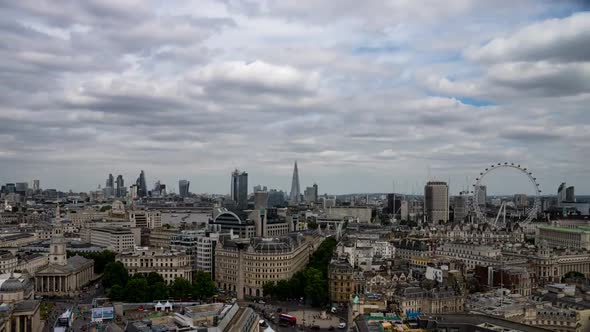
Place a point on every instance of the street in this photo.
(80, 304)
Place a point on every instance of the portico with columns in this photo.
(63, 276)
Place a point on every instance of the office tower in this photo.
(10, 188)
(276, 198)
(141, 185)
(436, 202)
(21, 187)
(257, 188)
(570, 194)
(460, 207)
(482, 195)
(521, 200)
(239, 189)
(133, 191)
(110, 183)
(36, 185)
(561, 194)
(183, 186)
(120, 189)
(295, 197)
(311, 194)
(260, 200)
(394, 203)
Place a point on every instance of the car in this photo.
(342, 326)
(334, 310)
(261, 302)
(262, 323)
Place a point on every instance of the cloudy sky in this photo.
(361, 95)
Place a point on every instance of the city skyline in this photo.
(395, 91)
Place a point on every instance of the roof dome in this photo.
(11, 285)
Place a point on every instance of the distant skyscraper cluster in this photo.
(114, 188)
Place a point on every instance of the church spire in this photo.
(295, 197)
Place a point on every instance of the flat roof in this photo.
(576, 230)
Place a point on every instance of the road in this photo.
(265, 310)
(77, 303)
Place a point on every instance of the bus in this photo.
(287, 320)
(64, 321)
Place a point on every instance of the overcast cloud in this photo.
(360, 95)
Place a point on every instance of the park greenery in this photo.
(310, 283)
(139, 288)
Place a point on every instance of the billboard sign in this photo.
(104, 313)
(434, 274)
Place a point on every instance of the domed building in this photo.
(15, 287)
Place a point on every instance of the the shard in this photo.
(295, 197)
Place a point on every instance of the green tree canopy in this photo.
(158, 291)
(137, 290)
(115, 274)
(203, 286)
(117, 293)
(154, 278)
(181, 288)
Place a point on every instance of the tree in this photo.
(268, 288)
(115, 274)
(181, 288)
(105, 208)
(117, 293)
(158, 291)
(315, 287)
(137, 290)
(203, 286)
(154, 278)
(282, 289)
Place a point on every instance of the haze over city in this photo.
(372, 95)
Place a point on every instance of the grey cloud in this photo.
(561, 40)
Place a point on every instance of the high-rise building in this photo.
(482, 195)
(521, 200)
(460, 207)
(260, 200)
(436, 202)
(141, 185)
(311, 194)
(394, 203)
(570, 194)
(36, 185)
(21, 187)
(110, 183)
(276, 198)
(295, 197)
(561, 194)
(239, 189)
(120, 190)
(183, 186)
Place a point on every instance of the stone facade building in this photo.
(63, 276)
(344, 281)
(169, 264)
(245, 265)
